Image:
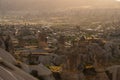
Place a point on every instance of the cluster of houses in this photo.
(36, 52)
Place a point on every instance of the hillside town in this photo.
(39, 52)
(59, 39)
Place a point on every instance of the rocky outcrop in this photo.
(9, 45)
(2, 44)
(10, 72)
(21, 71)
(42, 40)
(7, 56)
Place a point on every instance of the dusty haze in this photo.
(52, 5)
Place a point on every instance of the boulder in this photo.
(45, 59)
(58, 60)
(42, 72)
(51, 59)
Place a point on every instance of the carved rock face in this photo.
(113, 72)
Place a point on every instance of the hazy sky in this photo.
(55, 4)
